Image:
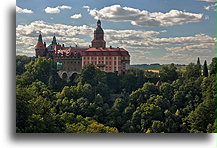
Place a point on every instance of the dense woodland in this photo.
(99, 102)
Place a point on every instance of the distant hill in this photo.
(156, 66)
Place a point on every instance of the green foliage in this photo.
(205, 69)
(168, 73)
(86, 125)
(21, 61)
(86, 104)
(212, 67)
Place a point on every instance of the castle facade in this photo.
(70, 60)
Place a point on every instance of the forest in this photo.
(171, 101)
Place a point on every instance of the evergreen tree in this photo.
(198, 67)
(212, 66)
(205, 69)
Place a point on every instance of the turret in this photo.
(98, 41)
(40, 47)
(54, 39)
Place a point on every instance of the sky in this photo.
(152, 31)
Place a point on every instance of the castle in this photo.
(70, 60)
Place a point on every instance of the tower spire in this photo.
(99, 23)
(40, 36)
(54, 39)
(98, 41)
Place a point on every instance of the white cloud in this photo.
(56, 9)
(211, 7)
(142, 45)
(21, 10)
(64, 7)
(87, 7)
(145, 18)
(52, 10)
(76, 16)
(208, 0)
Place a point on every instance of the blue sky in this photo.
(154, 31)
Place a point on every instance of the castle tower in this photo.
(40, 49)
(98, 41)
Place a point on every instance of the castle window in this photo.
(99, 58)
(102, 58)
(106, 58)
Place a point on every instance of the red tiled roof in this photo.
(89, 51)
(39, 45)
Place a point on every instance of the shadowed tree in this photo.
(205, 69)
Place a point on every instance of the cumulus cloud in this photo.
(21, 10)
(56, 9)
(87, 7)
(145, 18)
(76, 16)
(142, 44)
(211, 7)
(208, 0)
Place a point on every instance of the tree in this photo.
(40, 69)
(192, 71)
(168, 73)
(212, 66)
(21, 61)
(203, 115)
(205, 69)
(198, 67)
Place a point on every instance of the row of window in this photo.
(68, 57)
(100, 62)
(92, 58)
